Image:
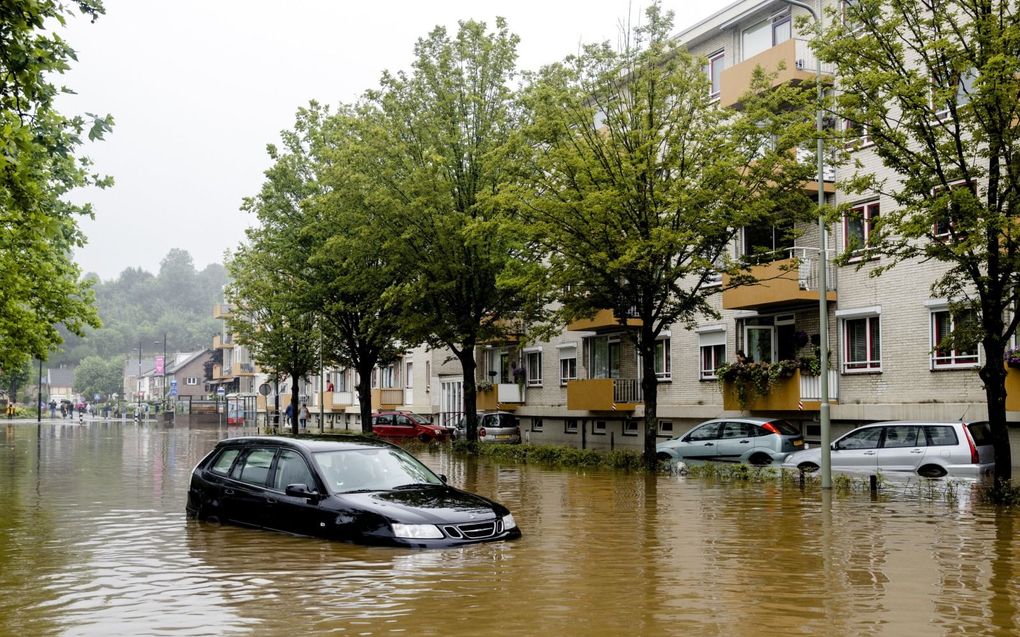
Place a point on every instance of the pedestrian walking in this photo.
(303, 415)
(53, 408)
(289, 414)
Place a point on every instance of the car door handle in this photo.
(745, 442)
(228, 492)
(917, 451)
(709, 444)
(270, 500)
(869, 453)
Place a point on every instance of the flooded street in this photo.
(94, 541)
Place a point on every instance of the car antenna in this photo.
(964, 414)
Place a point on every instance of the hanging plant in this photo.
(754, 379)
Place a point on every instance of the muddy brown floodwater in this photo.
(94, 541)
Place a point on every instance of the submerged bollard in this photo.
(873, 483)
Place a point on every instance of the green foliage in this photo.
(937, 87)
(40, 287)
(552, 455)
(13, 379)
(1001, 493)
(95, 375)
(754, 379)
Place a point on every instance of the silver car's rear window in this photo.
(785, 428)
(981, 432)
(939, 436)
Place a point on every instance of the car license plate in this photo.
(503, 437)
(798, 443)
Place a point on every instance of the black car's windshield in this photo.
(371, 470)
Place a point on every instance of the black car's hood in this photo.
(426, 504)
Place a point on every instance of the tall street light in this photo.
(138, 385)
(162, 378)
(823, 310)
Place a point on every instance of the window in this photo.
(939, 436)
(191, 380)
(222, 464)
(534, 369)
(862, 344)
(665, 427)
(388, 376)
(409, 375)
(603, 357)
(856, 134)
(714, 71)
(570, 425)
(764, 35)
(663, 366)
(568, 364)
(948, 218)
(859, 228)
(254, 468)
(902, 436)
(963, 83)
(861, 439)
(428, 375)
(713, 353)
(630, 427)
(704, 432)
(292, 469)
(536, 424)
(943, 324)
(598, 427)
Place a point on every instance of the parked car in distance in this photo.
(758, 441)
(405, 425)
(928, 449)
(359, 490)
(497, 426)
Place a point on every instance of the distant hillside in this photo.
(139, 307)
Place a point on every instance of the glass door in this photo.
(760, 343)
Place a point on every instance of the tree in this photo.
(354, 277)
(273, 311)
(935, 86)
(39, 283)
(95, 375)
(637, 183)
(438, 140)
(14, 379)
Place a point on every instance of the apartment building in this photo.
(236, 373)
(582, 387)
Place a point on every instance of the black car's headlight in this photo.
(417, 531)
(509, 522)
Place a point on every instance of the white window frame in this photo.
(871, 317)
(955, 359)
(536, 423)
(719, 57)
(533, 372)
(868, 211)
(599, 427)
(570, 425)
(711, 342)
(567, 353)
(191, 380)
(666, 362)
(666, 428)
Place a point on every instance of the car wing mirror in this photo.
(300, 490)
(442, 476)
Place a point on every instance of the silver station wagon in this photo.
(928, 449)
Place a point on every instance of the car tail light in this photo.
(481, 432)
(769, 427)
(974, 457)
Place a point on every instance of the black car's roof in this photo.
(310, 445)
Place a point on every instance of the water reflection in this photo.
(93, 541)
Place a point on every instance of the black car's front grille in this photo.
(474, 530)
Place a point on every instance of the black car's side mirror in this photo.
(300, 490)
(442, 476)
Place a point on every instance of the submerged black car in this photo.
(361, 490)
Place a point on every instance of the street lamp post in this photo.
(823, 310)
(162, 376)
(138, 386)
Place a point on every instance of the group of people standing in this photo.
(303, 415)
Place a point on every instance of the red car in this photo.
(402, 424)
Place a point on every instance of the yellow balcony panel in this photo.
(1012, 389)
(385, 399)
(333, 400)
(795, 55)
(218, 342)
(221, 311)
(500, 397)
(779, 283)
(784, 395)
(602, 394)
(811, 186)
(603, 321)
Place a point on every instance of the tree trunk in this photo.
(466, 356)
(295, 397)
(364, 388)
(993, 374)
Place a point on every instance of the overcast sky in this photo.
(198, 88)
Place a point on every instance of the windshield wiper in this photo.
(412, 485)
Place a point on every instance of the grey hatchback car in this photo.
(498, 426)
(928, 449)
(758, 441)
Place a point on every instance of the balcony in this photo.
(334, 401)
(246, 369)
(384, 399)
(796, 393)
(218, 373)
(789, 281)
(501, 397)
(604, 394)
(222, 311)
(222, 342)
(603, 321)
(797, 57)
(809, 155)
(1012, 389)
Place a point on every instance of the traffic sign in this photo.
(221, 391)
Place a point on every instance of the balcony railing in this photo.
(387, 398)
(605, 321)
(792, 278)
(503, 396)
(799, 65)
(795, 393)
